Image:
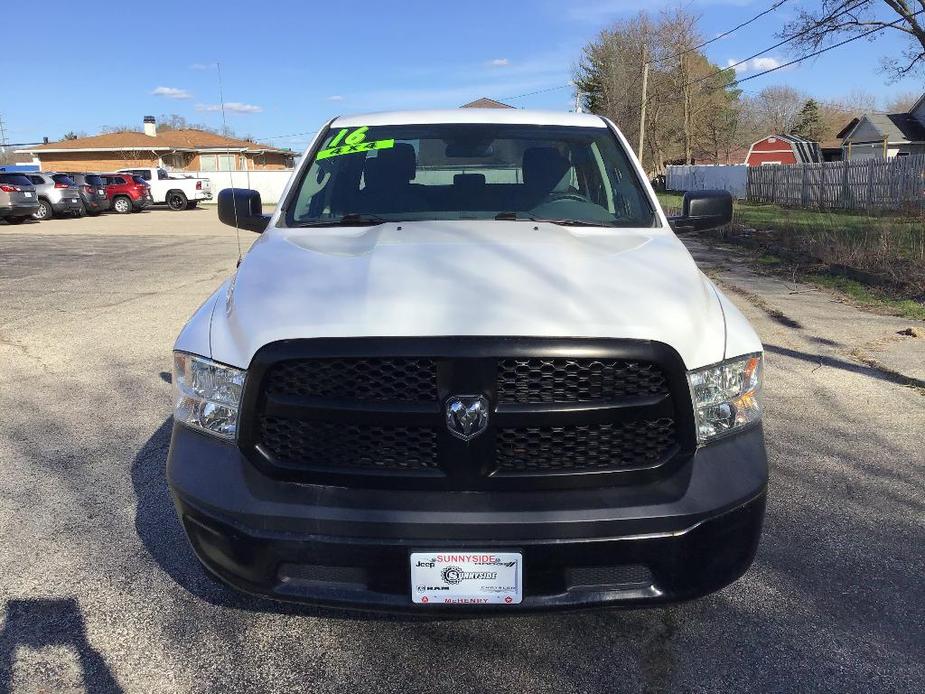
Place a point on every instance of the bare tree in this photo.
(773, 111)
(831, 20)
(901, 103)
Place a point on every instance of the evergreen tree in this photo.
(809, 122)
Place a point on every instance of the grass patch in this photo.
(868, 297)
(669, 201)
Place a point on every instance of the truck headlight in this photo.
(727, 396)
(207, 394)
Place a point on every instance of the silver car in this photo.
(58, 194)
(17, 198)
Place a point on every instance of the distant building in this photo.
(885, 135)
(175, 150)
(485, 102)
(783, 149)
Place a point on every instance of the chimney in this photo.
(150, 126)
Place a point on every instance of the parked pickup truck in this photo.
(179, 192)
(469, 365)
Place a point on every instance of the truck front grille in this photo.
(370, 379)
(576, 380)
(342, 446)
(371, 412)
(630, 445)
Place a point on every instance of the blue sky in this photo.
(288, 66)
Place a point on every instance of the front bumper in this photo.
(678, 538)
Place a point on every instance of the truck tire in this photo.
(122, 204)
(176, 200)
(45, 211)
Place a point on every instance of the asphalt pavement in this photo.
(100, 592)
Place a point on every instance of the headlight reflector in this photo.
(207, 394)
(726, 396)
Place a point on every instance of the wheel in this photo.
(191, 205)
(176, 200)
(15, 220)
(81, 211)
(45, 211)
(122, 205)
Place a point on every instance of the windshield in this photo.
(568, 175)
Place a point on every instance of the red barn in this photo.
(783, 149)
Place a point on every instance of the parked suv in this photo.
(17, 198)
(126, 193)
(93, 197)
(57, 194)
(470, 365)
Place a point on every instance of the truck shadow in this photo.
(41, 622)
(163, 537)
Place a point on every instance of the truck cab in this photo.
(469, 366)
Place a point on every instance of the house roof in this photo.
(898, 126)
(189, 139)
(843, 133)
(485, 102)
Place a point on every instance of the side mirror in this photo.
(242, 208)
(703, 209)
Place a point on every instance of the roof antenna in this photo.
(234, 200)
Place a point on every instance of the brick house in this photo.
(175, 150)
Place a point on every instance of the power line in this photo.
(824, 50)
(724, 34)
(770, 48)
(673, 57)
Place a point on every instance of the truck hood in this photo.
(468, 278)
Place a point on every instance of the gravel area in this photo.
(99, 591)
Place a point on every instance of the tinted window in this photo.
(94, 180)
(162, 175)
(36, 180)
(139, 179)
(15, 179)
(65, 180)
(578, 175)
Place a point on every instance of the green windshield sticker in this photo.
(353, 144)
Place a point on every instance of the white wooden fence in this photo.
(890, 184)
(269, 184)
(730, 177)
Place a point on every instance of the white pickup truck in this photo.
(179, 192)
(469, 365)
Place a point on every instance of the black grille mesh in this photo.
(370, 379)
(535, 380)
(350, 446)
(611, 446)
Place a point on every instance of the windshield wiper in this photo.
(524, 217)
(351, 219)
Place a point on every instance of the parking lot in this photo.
(99, 590)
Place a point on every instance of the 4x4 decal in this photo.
(353, 143)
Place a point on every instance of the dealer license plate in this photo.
(28, 194)
(466, 578)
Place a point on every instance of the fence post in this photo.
(845, 192)
(822, 185)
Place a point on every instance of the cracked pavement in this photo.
(100, 592)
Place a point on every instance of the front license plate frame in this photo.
(466, 577)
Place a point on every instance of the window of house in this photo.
(218, 162)
(174, 161)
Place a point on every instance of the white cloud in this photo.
(335, 97)
(232, 106)
(172, 93)
(754, 65)
(499, 62)
(202, 66)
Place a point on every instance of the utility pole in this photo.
(2, 133)
(642, 110)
